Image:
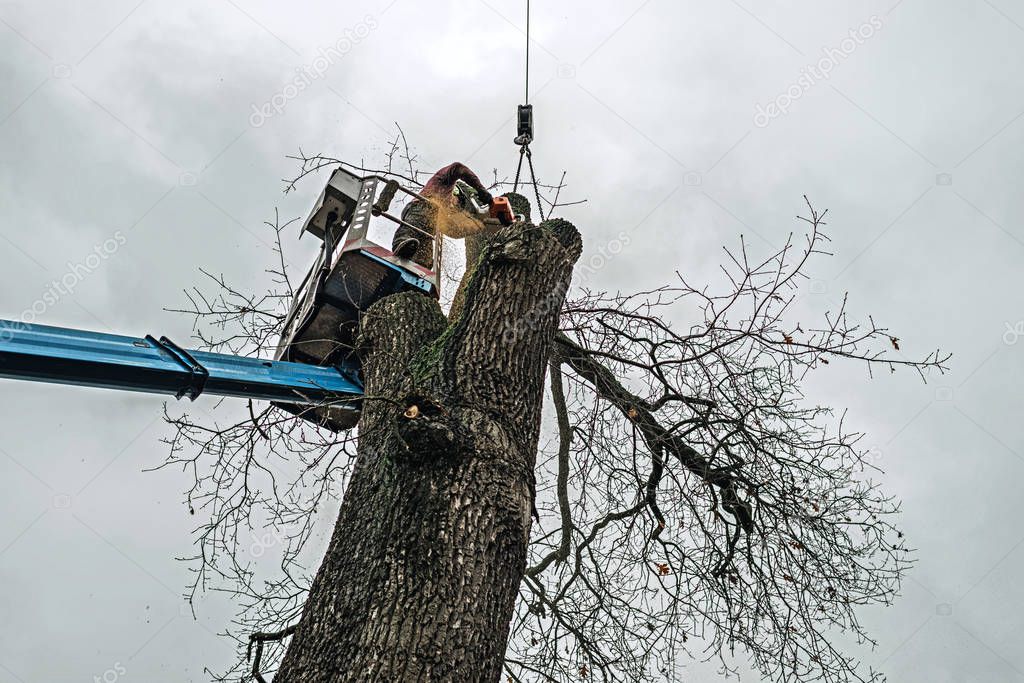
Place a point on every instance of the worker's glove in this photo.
(485, 197)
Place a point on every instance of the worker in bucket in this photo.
(440, 213)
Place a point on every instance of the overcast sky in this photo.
(152, 135)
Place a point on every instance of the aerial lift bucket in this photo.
(350, 274)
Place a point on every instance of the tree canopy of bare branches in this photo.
(692, 502)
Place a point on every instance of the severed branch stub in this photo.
(428, 430)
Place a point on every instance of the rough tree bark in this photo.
(421, 575)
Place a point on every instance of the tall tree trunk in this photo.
(420, 579)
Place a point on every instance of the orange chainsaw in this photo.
(499, 210)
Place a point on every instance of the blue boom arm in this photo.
(54, 354)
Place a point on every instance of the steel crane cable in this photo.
(524, 149)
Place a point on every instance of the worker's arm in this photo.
(459, 171)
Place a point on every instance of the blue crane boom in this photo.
(315, 372)
(65, 356)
